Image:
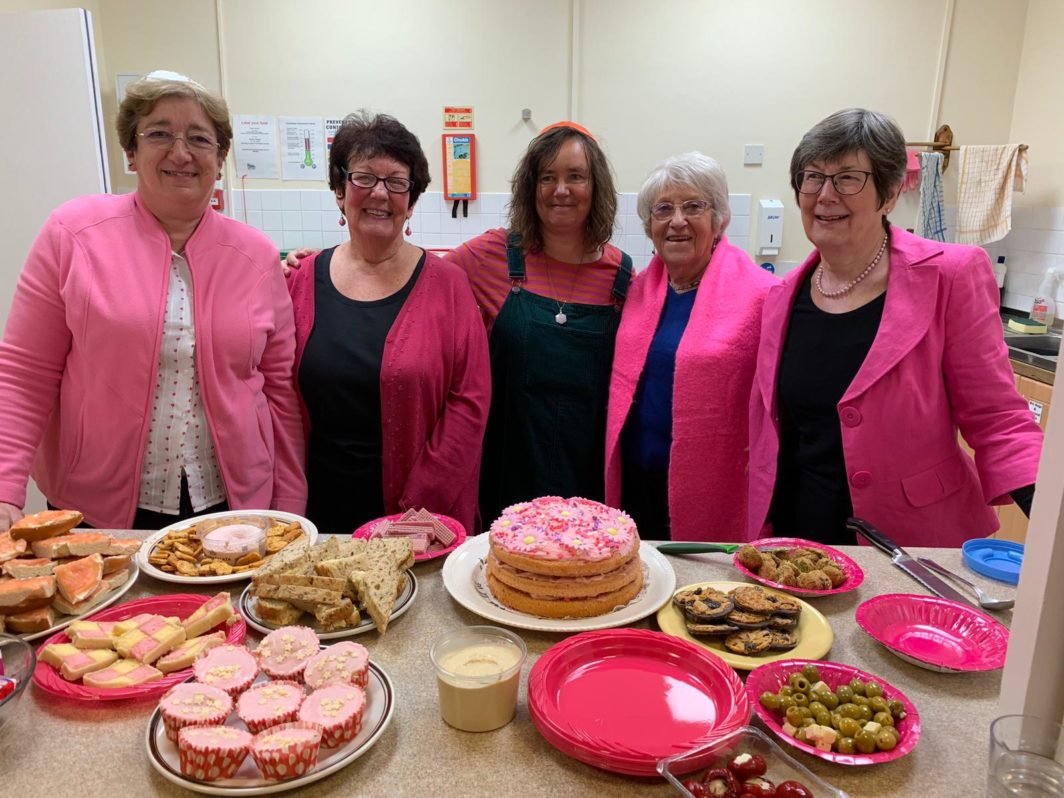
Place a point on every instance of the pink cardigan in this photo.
(435, 390)
(81, 349)
(938, 363)
(714, 368)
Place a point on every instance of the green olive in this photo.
(815, 705)
(866, 714)
(857, 686)
(770, 701)
(850, 711)
(873, 689)
(801, 699)
(836, 720)
(811, 672)
(800, 735)
(799, 683)
(885, 741)
(844, 693)
(848, 727)
(823, 717)
(794, 716)
(807, 722)
(845, 745)
(830, 700)
(865, 741)
(883, 718)
(878, 704)
(860, 700)
(785, 691)
(897, 709)
(786, 703)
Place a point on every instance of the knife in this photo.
(696, 548)
(903, 560)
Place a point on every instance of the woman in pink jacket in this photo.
(675, 435)
(874, 353)
(145, 372)
(391, 354)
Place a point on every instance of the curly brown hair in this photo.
(542, 150)
(366, 135)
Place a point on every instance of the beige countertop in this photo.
(55, 747)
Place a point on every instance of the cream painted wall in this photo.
(1038, 115)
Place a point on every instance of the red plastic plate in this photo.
(772, 676)
(935, 633)
(853, 572)
(180, 605)
(435, 549)
(621, 699)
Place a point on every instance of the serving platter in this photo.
(63, 621)
(380, 707)
(435, 549)
(850, 569)
(464, 579)
(144, 554)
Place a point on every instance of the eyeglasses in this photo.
(851, 181)
(664, 211)
(165, 140)
(396, 185)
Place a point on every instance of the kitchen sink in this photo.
(1044, 345)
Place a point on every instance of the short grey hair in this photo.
(854, 130)
(692, 170)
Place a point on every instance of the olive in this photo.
(865, 741)
(815, 705)
(893, 731)
(885, 741)
(836, 720)
(857, 686)
(811, 672)
(897, 709)
(848, 727)
(801, 699)
(785, 691)
(799, 682)
(786, 703)
(850, 711)
(878, 704)
(800, 735)
(866, 714)
(770, 701)
(794, 716)
(873, 689)
(860, 700)
(883, 718)
(806, 722)
(823, 717)
(846, 745)
(844, 693)
(828, 699)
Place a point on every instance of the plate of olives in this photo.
(833, 711)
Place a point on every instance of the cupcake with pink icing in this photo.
(210, 753)
(270, 704)
(340, 663)
(193, 704)
(338, 709)
(230, 668)
(287, 751)
(283, 653)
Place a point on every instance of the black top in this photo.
(821, 356)
(339, 377)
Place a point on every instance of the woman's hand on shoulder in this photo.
(294, 257)
(9, 514)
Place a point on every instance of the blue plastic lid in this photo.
(998, 559)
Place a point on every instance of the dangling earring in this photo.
(343, 220)
(408, 230)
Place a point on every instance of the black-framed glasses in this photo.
(664, 211)
(367, 180)
(852, 181)
(165, 140)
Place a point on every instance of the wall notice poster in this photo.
(255, 146)
(459, 166)
(302, 148)
(331, 126)
(458, 117)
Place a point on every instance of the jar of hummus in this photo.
(478, 671)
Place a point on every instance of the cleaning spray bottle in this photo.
(1044, 309)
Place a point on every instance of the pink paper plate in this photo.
(935, 633)
(852, 571)
(180, 605)
(435, 549)
(772, 676)
(621, 699)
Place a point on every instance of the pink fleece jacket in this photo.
(714, 371)
(435, 390)
(81, 349)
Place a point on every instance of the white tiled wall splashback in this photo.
(294, 218)
(1035, 244)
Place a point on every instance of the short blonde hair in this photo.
(143, 95)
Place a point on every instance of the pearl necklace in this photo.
(683, 289)
(853, 283)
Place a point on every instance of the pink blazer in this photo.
(714, 368)
(938, 364)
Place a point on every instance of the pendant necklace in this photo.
(560, 317)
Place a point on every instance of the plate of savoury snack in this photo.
(798, 566)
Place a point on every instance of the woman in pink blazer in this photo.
(874, 353)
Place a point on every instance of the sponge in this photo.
(1027, 326)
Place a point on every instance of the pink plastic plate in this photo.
(772, 676)
(935, 633)
(852, 571)
(180, 605)
(621, 699)
(435, 549)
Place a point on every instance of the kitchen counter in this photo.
(56, 747)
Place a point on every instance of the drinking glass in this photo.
(1026, 758)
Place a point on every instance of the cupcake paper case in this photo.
(287, 751)
(192, 704)
(283, 653)
(340, 663)
(209, 753)
(270, 704)
(337, 709)
(230, 668)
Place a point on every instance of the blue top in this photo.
(647, 435)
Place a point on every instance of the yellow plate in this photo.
(814, 632)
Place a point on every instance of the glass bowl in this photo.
(17, 662)
(744, 740)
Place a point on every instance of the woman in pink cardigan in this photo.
(391, 354)
(874, 353)
(676, 428)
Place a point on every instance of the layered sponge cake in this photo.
(564, 558)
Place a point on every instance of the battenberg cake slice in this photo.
(151, 639)
(188, 652)
(124, 673)
(217, 609)
(74, 663)
(92, 634)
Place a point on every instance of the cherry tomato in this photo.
(747, 766)
(720, 783)
(694, 786)
(762, 788)
(792, 789)
(7, 687)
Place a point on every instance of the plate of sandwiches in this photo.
(218, 548)
(430, 534)
(53, 574)
(138, 649)
(338, 588)
(243, 749)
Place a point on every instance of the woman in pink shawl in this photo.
(676, 431)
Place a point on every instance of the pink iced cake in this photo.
(231, 668)
(270, 704)
(283, 654)
(338, 710)
(287, 751)
(193, 704)
(209, 753)
(341, 663)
